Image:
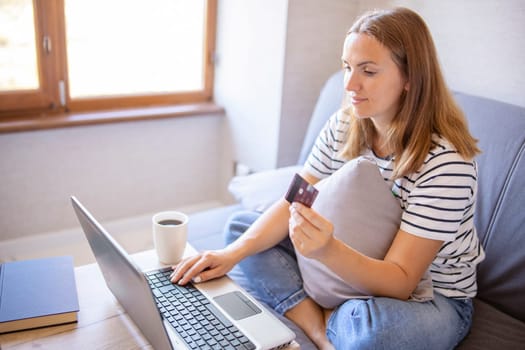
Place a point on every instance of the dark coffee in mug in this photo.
(170, 222)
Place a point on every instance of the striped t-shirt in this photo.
(438, 202)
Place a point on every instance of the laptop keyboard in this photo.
(198, 322)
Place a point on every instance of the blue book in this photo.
(37, 293)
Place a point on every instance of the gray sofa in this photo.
(499, 319)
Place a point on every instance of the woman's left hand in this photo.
(310, 233)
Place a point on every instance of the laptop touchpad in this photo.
(237, 305)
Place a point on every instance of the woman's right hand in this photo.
(203, 267)
(266, 232)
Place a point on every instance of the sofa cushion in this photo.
(205, 228)
(366, 216)
(260, 190)
(493, 329)
(499, 217)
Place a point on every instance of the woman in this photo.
(399, 112)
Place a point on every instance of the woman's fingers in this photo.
(182, 267)
(189, 269)
(199, 268)
(310, 216)
(309, 231)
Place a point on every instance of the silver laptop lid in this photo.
(124, 279)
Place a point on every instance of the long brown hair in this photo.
(426, 108)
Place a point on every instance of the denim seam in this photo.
(329, 326)
(465, 322)
(290, 301)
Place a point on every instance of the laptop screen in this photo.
(124, 279)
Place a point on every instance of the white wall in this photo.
(314, 40)
(273, 57)
(249, 74)
(116, 170)
(479, 42)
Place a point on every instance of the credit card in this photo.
(301, 191)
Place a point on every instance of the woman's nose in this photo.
(352, 83)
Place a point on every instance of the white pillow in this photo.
(366, 216)
(260, 190)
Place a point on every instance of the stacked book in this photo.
(37, 293)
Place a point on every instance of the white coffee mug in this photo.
(170, 233)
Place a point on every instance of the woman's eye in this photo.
(369, 72)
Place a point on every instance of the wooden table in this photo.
(102, 323)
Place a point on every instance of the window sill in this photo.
(61, 120)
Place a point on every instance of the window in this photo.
(77, 55)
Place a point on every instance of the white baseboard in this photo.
(133, 233)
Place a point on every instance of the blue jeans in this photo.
(273, 277)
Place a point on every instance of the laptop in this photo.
(214, 312)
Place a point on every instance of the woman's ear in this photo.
(407, 86)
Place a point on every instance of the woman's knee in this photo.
(384, 323)
(238, 223)
(349, 327)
